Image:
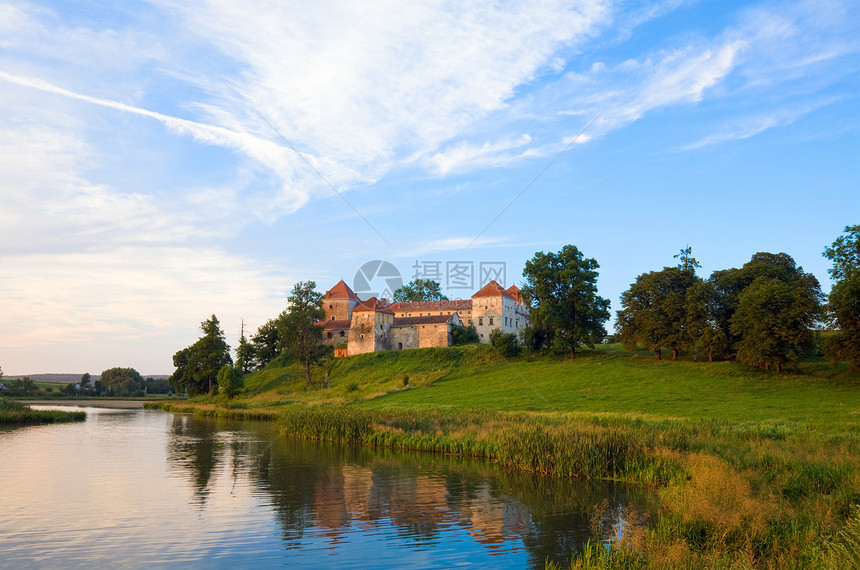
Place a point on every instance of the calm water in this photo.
(134, 488)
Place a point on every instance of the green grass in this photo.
(15, 413)
(751, 469)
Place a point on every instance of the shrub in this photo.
(505, 343)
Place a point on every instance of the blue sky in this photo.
(145, 181)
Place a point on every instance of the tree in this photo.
(654, 312)
(298, 330)
(230, 380)
(121, 381)
(845, 253)
(705, 335)
(774, 320)
(464, 335)
(843, 310)
(266, 342)
(687, 262)
(730, 283)
(85, 381)
(505, 343)
(843, 306)
(562, 291)
(197, 366)
(1, 372)
(244, 354)
(419, 290)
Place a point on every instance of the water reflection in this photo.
(334, 496)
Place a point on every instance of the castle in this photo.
(376, 324)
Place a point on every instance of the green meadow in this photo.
(750, 469)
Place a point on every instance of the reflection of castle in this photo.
(376, 324)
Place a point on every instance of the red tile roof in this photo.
(455, 305)
(515, 293)
(334, 325)
(373, 304)
(492, 289)
(341, 291)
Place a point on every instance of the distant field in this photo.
(66, 378)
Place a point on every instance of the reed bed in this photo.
(15, 413)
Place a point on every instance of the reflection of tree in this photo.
(193, 446)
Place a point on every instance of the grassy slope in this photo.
(605, 380)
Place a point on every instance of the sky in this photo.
(163, 161)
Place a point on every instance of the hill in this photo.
(605, 380)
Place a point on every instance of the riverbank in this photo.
(88, 403)
(752, 469)
(16, 413)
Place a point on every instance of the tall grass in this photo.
(15, 413)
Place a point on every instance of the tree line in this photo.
(119, 382)
(765, 313)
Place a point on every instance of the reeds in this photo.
(15, 413)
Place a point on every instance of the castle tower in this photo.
(494, 308)
(339, 301)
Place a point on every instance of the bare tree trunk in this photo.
(658, 355)
(674, 354)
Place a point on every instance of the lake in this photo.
(135, 488)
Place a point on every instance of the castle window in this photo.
(491, 321)
(481, 322)
(361, 336)
(332, 317)
(331, 306)
(341, 333)
(329, 335)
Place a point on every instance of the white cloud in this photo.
(366, 84)
(746, 127)
(466, 155)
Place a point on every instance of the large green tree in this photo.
(297, 329)
(775, 320)
(419, 290)
(121, 382)
(654, 312)
(843, 306)
(704, 334)
(197, 366)
(562, 291)
(729, 284)
(266, 342)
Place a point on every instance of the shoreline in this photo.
(112, 404)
